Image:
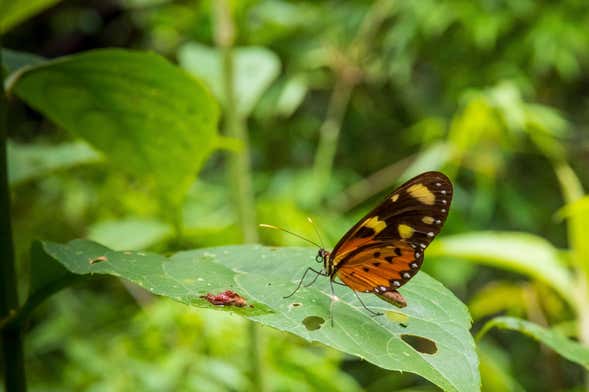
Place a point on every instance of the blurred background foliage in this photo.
(342, 100)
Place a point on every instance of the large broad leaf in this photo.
(520, 252)
(255, 68)
(569, 349)
(12, 12)
(31, 161)
(149, 117)
(435, 322)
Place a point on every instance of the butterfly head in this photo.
(323, 257)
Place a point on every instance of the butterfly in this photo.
(384, 250)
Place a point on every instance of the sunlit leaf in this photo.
(577, 212)
(255, 69)
(569, 349)
(520, 252)
(147, 116)
(263, 276)
(497, 297)
(31, 161)
(12, 12)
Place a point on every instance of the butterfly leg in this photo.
(317, 274)
(372, 312)
(331, 302)
(303, 278)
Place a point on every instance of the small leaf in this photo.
(255, 69)
(567, 348)
(146, 115)
(264, 275)
(27, 162)
(13, 60)
(131, 233)
(520, 252)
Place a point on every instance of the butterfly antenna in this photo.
(317, 231)
(291, 233)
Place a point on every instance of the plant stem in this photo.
(347, 68)
(329, 135)
(239, 161)
(12, 343)
(239, 167)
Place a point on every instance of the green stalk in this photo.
(12, 341)
(329, 135)
(239, 167)
(572, 190)
(348, 74)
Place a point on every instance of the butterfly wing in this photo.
(385, 248)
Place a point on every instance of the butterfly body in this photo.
(384, 250)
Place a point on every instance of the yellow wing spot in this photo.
(395, 197)
(428, 220)
(405, 231)
(375, 224)
(422, 193)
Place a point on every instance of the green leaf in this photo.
(498, 297)
(577, 212)
(13, 60)
(520, 252)
(27, 162)
(131, 233)
(567, 348)
(255, 69)
(264, 275)
(12, 12)
(46, 278)
(149, 117)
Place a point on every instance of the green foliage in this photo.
(148, 117)
(27, 162)
(520, 252)
(258, 274)
(166, 345)
(489, 92)
(255, 69)
(146, 233)
(12, 12)
(569, 349)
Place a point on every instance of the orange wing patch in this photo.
(380, 269)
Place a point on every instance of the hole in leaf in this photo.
(313, 323)
(421, 344)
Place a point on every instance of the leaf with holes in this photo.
(430, 337)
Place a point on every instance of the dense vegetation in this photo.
(210, 117)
